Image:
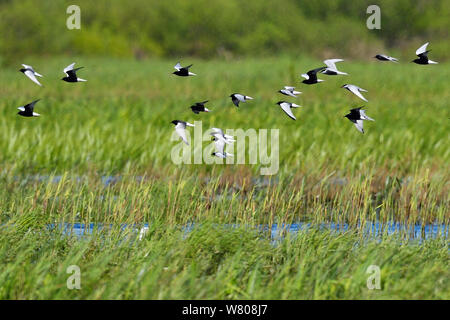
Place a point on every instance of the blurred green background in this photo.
(222, 28)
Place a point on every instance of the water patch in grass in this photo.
(278, 232)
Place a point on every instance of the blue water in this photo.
(277, 232)
(108, 180)
(370, 230)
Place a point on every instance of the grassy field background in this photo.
(117, 125)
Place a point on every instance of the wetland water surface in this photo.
(277, 232)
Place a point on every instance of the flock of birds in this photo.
(356, 115)
(71, 76)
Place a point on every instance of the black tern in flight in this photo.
(311, 76)
(27, 110)
(383, 57)
(355, 90)
(286, 106)
(236, 98)
(71, 75)
(183, 71)
(357, 116)
(30, 73)
(331, 69)
(199, 107)
(180, 128)
(289, 91)
(422, 53)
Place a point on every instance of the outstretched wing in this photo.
(355, 90)
(27, 67)
(287, 109)
(364, 116)
(201, 103)
(30, 74)
(314, 71)
(220, 145)
(359, 125)
(180, 128)
(355, 110)
(331, 63)
(289, 93)
(217, 130)
(68, 68)
(392, 59)
(30, 107)
(72, 73)
(235, 101)
(361, 89)
(177, 66)
(312, 74)
(422, 50)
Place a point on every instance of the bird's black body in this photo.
(235, 100)
(183, 72)
(381, 58)
(199, 107)
(28, 112)
(423, 58)
(312, 76)
(72, 76)
(357, 116)
(329, 72)
(354, 114)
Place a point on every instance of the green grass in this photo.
(213, 263)
(118, 123)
